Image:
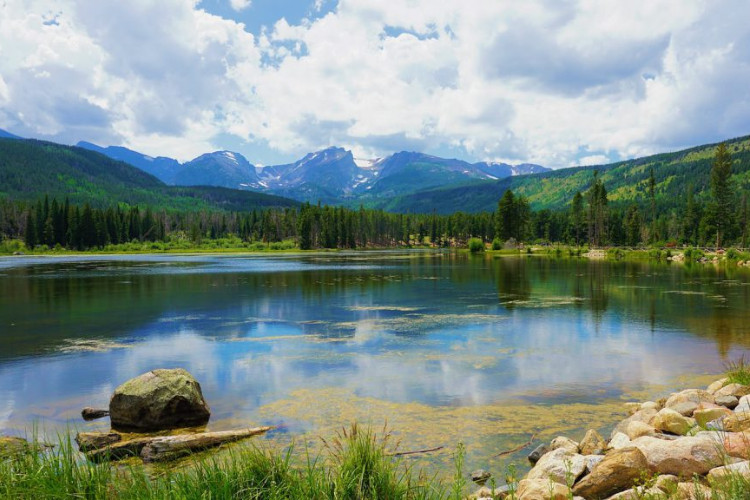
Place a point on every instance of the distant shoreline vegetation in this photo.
(52, 225)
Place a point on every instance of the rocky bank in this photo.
(686, 446)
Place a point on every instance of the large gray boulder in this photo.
(157, 400)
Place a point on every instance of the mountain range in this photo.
(403, 182)
(332, 175)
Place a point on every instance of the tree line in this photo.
(589, 220)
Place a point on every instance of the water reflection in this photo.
(440, 329)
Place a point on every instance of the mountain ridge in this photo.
(331, 175)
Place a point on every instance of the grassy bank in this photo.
(356, 464)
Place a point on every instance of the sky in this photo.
(557, 83)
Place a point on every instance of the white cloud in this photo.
(555, 83)
(240, 4)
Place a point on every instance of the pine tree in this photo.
(30, 235)
(654, 236)
(577, 218)
(721, 191)
(632, 224)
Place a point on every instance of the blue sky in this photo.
(540, 81)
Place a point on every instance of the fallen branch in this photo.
(517, 448)
(120, 450)
(403, 453)
(171, 447)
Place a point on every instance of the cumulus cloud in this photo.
(239, 4)
(555, 83)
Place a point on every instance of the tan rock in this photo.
(692, 491)
(618, 471)
(736, 390)
(712, 388)
(650, 405)
(718, 474)
(743, 405)
(696, 396)
(637, 429)
(592, 443)
(685, 408)
(737, 444)
(639, 493)
(668, 420)
(682, 457)
(560, 465)
(485, 493)
(736, 422)
(704, 416)
(540, 489)
(730, 402)
(592, 461)
(564, 443)
(666, 482)
(619, 441)
(643, 415)
(632, 407)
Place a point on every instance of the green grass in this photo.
(738, 372)
(356, 464)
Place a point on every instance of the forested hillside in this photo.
(31, 169)
(675, 174)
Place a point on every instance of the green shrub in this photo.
(497, 244)
(655, 254)
(476, 245)
(12, 246)
(693, 254)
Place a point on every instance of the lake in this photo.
(442, 347)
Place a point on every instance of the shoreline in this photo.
(691, 444)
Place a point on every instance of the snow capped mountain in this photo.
(331, 175)
(220, 168)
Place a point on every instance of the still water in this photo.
(445, 348)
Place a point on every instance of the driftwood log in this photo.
(171, 447)
(119, 450)
(162, 448)
(89, 441)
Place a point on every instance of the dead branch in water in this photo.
(403, 453)
(517, 448)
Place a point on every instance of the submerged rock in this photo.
(537, 453)
(480, 476)
(159, 399)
